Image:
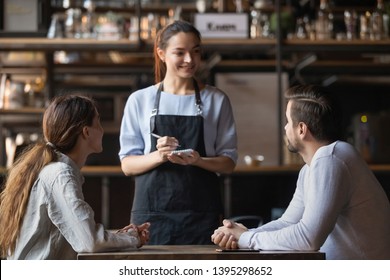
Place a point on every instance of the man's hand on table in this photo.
(227, 236)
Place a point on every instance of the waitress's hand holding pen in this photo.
(165, 145)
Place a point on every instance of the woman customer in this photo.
(178, 192)
(43, 214)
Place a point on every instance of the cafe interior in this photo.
(255, 51)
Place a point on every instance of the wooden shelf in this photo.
(306, 45)
(68, 44)
(22, 111)
(45, 44)
(21, 117)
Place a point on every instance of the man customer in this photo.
(338, 207)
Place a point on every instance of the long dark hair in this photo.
(63, 122)
(161, 42)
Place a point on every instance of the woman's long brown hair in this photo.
(63, 122)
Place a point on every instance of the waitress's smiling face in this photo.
(182, 55)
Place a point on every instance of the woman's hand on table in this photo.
(141, 231)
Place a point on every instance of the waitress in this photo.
(178, 193)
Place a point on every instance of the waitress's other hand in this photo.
(184, 158)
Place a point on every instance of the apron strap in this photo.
(198, 103)
(156, 106)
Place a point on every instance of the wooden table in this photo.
(199, 252)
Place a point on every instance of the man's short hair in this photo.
(316, 107)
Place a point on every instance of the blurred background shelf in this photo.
(254, 72)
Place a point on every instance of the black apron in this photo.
(182, 203)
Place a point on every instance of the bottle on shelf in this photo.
(4, 82)
(300, 30)
(88, 20)
(364, 30)
(350, 21)
(324, 21)
(29, 95)
(255, 24)
(57, 27)
(377, 22)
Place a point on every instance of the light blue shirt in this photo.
(58, 223)
(219, 128)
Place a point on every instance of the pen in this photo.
(158, 136)
(155, 135)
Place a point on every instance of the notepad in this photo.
(185, 152)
